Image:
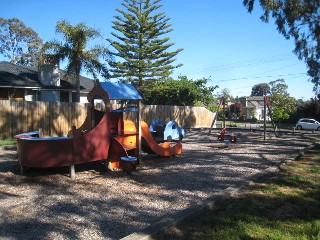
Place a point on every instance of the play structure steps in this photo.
(128, 164)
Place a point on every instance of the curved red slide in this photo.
(163, 149)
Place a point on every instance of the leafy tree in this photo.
(253, 115)
(139, 42)
(309, 109)
(281, 102)
(260, 89)
(181, 92)
(74, 50)
(299, 20)
(234, 110)
(226, 94)
(19, 43)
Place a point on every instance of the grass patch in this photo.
(8, 142)
(288, 207)
(283, 205)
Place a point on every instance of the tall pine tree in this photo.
(141, 49)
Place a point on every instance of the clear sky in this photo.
(220, 39)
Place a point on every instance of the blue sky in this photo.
(220, 39)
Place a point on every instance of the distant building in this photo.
(253, 107)
(48, 83)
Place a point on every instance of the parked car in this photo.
(308, 123)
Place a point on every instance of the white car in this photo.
(308, 123)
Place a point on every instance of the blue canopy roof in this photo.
(121, 91)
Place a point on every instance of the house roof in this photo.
(18, 76)
(255, 101)
(255, 98)
(12, 75)
(86, 84)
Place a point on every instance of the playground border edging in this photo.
(147, 233)
(198, 209)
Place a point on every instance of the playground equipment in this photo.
(166, 132)
(150, 145)
(104, 135)
(266, 106)
(225, 135)
(156, 129)
(173, 131)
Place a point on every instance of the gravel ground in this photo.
(100, 204)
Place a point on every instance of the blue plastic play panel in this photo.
(121, 91)
(154, 124)
(129, 159)
(173, 130)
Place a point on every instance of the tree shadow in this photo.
(269, 205)
(111, 205)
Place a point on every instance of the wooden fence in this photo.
(55, 119)
(187, 117)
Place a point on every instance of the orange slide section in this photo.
(164, 149)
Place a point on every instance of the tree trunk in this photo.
(77, 95)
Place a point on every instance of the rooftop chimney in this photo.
(49, 73)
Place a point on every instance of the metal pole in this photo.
(264, 117)
(224, 113)
(215, 116)
(270, 113)
(139, 132)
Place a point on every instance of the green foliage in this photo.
(260, 89)
(19, 43)
(299, 20)
(225, 93)
(234, 110)
(8, 142)
(74, 50)
(281, 102)
(140, 46)
(309, 109)
(181, 92)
